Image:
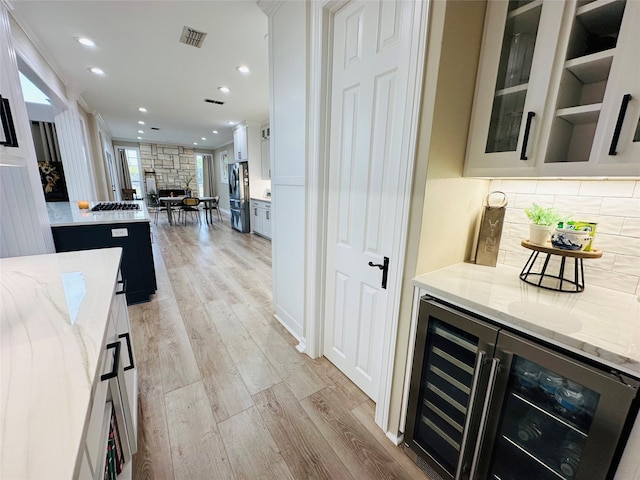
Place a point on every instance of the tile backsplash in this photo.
(613, 204)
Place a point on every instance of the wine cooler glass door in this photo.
(447, 379)
(555, 418)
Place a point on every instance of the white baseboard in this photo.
(396, 439)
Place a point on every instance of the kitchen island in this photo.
(82, 229)
(60, 314)
(598, 327)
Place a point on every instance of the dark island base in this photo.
(138, 270)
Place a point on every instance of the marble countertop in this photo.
(599, 323)
(268, 200)
(53, 315)
(62, 214)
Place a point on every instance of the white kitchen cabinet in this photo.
(265, 145)
(116, 394)
(595, 127)
(562, 118)
(261, 217)
(240, 143)
(512, 87)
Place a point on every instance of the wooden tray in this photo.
(558, 251)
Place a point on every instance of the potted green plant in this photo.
(543, 221)
(152, 198)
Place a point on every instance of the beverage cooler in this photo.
(488, 403)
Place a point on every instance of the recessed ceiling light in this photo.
(231, 122)
(140, 131)
(243, 69)
(195, 143)
(214, 131)
(140, 122)
(224, 89)
(139, 138)
(142, 109)
(97, 71)
(87, 42)
(204, 138)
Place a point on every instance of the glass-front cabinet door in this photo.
(551, 417)
(518, 52)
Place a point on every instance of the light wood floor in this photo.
(223, 392)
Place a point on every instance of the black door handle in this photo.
(385, 270)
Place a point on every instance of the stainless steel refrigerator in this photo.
(486, 403)
(239, 196)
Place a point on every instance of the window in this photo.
(200, 174)
(133, 161)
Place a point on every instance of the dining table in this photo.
(171, 202)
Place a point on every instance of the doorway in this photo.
(374, 67)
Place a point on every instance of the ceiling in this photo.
(145, 65)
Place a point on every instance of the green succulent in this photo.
(543, 215)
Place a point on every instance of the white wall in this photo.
(288, 113)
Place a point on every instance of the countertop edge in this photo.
(591, 351)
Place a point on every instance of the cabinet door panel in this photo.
(519, 46)
(617, 137)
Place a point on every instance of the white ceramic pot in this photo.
(540, 234)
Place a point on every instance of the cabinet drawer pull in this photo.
(626, 98)
(127, 337)
(116, 361)
(527, 131)
(124, 287)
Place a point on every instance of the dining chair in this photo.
(190, 205)
(155, 207)
(215, 205)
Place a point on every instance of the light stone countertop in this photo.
(261, 199)
(63, 214)
(601, 324)
(49, 359)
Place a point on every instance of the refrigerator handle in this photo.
(493, 375)
(475, 383)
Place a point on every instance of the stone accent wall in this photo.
(172, 164)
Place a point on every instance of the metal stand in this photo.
(564, 280)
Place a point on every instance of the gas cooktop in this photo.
(115, 206)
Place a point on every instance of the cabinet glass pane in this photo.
(445, 387)
(544, 424)
(516, 57)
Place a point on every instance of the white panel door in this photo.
(369, 77)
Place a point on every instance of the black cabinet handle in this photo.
(124, 287)
(616, 132)
(116, 361)
(527, 131)
(385, 270)
(127, 337)
(10, 138)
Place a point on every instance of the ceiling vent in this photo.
(155, 128)
(217, 102)
(192, 37)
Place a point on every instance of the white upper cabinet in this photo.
(265, 146)
(595, 128)
(240, 143)
(512, 87)
(558, 91)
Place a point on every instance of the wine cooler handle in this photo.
(616, 132)
(477, 372)
(527, 131)
(493, 375)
